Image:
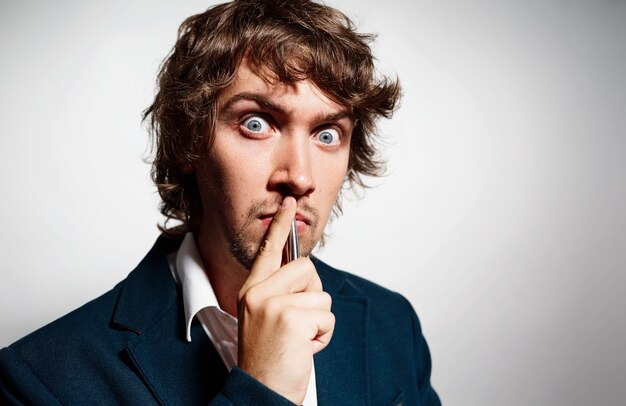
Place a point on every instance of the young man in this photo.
(264, 110)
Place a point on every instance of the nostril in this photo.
(284, 189)
(295, 189)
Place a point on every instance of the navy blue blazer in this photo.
(128, 347)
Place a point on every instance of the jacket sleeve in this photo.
(18, 383)
(20, 386)
(241, 389)
(426, 393)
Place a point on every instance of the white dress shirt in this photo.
(200, 301)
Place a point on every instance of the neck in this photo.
(225, 273)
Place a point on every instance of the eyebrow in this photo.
(270, 105)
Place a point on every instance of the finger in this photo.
(297, 276)
(303, 300)
(325, 325)
(270, 253)
(313, 325)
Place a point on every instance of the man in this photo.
(265, 109)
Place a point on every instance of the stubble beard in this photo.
(244, 246)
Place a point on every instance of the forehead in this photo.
(296, 95)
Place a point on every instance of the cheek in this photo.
(334, 170)
(235, 171)
(331, 174)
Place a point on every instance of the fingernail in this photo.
(286, 202)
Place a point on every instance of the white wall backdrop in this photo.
(502, 220)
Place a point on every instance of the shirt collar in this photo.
(191, 277)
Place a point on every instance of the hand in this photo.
(284, 316)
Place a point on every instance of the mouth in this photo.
(303, 222)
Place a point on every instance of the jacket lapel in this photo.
(175, 371)
(341, 370)
(148, 291)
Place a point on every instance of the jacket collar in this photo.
(149, 290)
(149, 304)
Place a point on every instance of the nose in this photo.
(293, 171)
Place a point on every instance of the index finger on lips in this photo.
(270, 254)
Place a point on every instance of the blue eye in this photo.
(256, 124)
(329, 136)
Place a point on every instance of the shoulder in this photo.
(91, 340)
(83, 319)
(70, 343)
(341, 281)
(381, 301)
(97, 320)
(385, 320)
(37, 366)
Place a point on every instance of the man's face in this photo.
(271, 141)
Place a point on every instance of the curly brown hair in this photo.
(290, 40)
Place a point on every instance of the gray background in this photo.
(502, 218)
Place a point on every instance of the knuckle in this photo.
(308, 264)
(327, 300)
(330, 321)
(306, 267)
(315, 281)
(249, 298)
(332, 318)
(272, 307)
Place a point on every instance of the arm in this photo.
(20, 386)
(18, 383)
(426, 393)
(241, 389)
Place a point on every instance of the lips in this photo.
(302, 220)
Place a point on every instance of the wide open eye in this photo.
(329, 136)
(256, 124)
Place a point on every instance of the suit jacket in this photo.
(128, 347)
